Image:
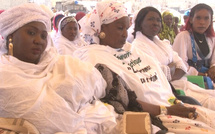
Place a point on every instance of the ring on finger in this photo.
(191, 115)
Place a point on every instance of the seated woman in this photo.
(147, 26)
(68, 37)
(168, 31)
(196, 45)
(106, 28)
(55, 93)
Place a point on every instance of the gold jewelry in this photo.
(102, 35)
(178, 102)
(163, 110)
(190, 115)
(10, 47)
(200, 41)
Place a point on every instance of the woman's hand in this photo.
(178, 74)
(201, 74)
(182, 111)
(211, 73)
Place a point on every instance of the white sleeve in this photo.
(166, 71)
(180, 45)
(179, 62)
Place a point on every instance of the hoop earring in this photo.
(10, 47)
(102, 35)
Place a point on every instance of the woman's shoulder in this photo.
(74, 63)
(183, 33)
(183, 36)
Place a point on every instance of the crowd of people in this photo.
(85, 75)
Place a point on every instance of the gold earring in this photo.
(102, 35)
(10, 47)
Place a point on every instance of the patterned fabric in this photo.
(105, 55)
(66, 21)
(167, 32)
(14, 18)
(180, 125)
(118, 94)
(103, 13)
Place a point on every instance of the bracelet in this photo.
(163, 110)
(178, 102)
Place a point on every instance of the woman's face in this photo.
(29, 42)
(201, 21)
(151, 24)
(70, 31)
(168, 20)
(116, 33)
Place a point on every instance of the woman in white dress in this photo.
(68, 38)
(106, 29)
(56, 93)
(146, 40)
(196, 45)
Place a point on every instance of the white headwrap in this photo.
(103, 13)
(64, 45)
(47, 10)
(16, 17)
(65, 20)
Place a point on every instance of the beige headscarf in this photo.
(103, 13)
(16, 17)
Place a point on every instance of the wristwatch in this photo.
(163, 110)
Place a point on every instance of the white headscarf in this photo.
(103, 13)
(64, 45)
(16, 17)
(48, 11)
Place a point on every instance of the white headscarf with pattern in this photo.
(103, 13)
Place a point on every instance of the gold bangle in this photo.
(192, 115)
(163, 110)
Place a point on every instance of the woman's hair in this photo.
(210, 31)
(140, 17)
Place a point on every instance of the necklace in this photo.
(196, 36)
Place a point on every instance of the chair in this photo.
(198, 80)
(202, 81)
